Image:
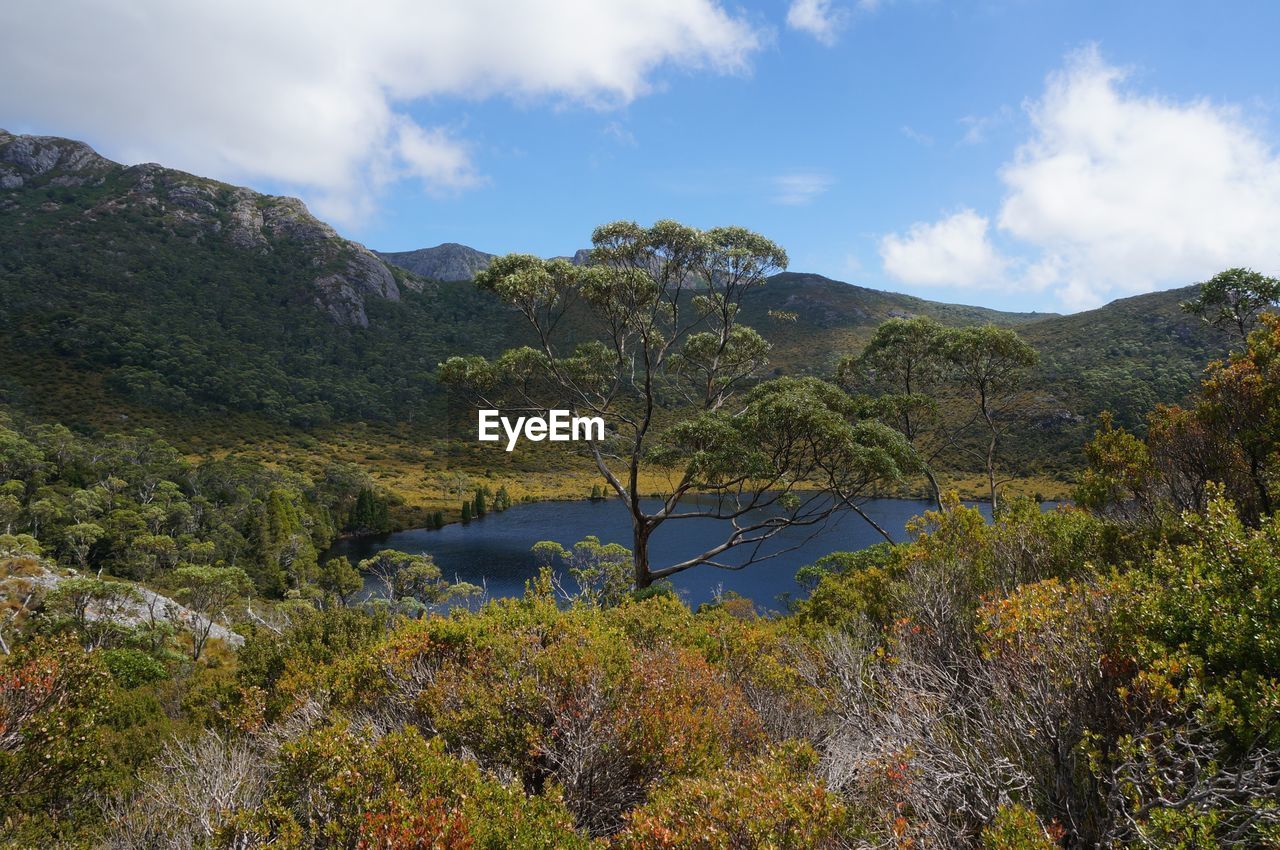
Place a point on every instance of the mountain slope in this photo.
(143, 287)
(1126, 356)
(168, 290)
(833, 318)
(447, 262)
(186, 207)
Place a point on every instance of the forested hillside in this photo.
(143, 289)
(187, 295)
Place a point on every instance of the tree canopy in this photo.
(646, 335)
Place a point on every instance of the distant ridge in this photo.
(449, 261)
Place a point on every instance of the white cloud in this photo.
(800, 188)
(916, 136)
(620, 134)
(824, 19)
(953, 251)
(818, 18)
(977, 127)
(435, 157)
(319, 99)
(1116, 193)
(1134, 192)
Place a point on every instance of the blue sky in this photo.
(1029, 154)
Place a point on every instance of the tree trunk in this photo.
(937, 488)
(991, 473)
(640, 549)
(886, 535)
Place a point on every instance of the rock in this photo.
(447, 262)
(42, 579)
(25, 157)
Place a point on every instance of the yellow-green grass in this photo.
(423, 472)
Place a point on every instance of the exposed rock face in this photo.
(60, 162)
(449, 261)
(37, 578)
(346, 273)
(452, 261)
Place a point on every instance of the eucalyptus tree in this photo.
(646, 336)
(209, 592)
(905, 368)
(1234, 300)
(990, 366)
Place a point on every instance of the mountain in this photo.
(447, 262)
(179, 205)
(833, 318)
(1127, 356)
(145, 288)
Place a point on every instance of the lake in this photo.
(494, 551)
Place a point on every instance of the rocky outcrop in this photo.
(21, 589)
(60, 162)
(447, 262)
(451, 261)
(191, 207)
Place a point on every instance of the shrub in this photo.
(340, 786)
(771, 803)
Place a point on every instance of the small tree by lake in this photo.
(647, 336)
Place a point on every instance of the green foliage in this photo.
(1228, 434)
(1119, 470)
(1234, 300)
(313, 639)
(411, 584)
(789, 427)
(339, 578)
(849, 589)
(340, 786)
(501, 500)
(132, 668)
(773, 803)
(369, 515)
(128, 505)
(1017, 828)
(957, 560)
(564, 696)
(91, 607)
(52, 698)
(1211, 611)
(601, 571)
(208, 591)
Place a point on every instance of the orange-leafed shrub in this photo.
(773, 802)
(424, 823)
(566, 698)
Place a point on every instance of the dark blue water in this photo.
(494, 551)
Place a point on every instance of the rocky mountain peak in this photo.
(63, 162)
(448, 261)
(198, 209)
